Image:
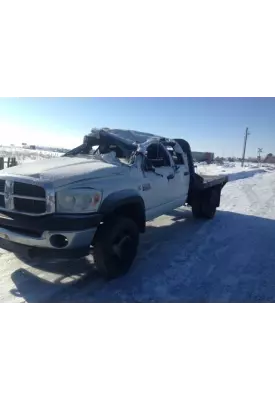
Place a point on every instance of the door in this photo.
(179, 184)
(155, 186)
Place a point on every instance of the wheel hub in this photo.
(120, 247)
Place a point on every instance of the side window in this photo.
(177, 157)
(157, 156)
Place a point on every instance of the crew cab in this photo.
(98, 196)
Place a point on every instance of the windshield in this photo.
(103, 143)
(101, 151)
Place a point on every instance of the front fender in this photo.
(119, 199)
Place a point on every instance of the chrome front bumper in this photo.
(75, 240)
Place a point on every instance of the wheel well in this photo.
(133, 211)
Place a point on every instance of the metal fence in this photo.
(7, 163)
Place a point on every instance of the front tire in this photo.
(115, 246)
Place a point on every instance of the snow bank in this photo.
(233, 170)
(26, 155)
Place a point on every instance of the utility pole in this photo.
(244, 146)
(260, 150)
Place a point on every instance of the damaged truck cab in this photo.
(97, 197)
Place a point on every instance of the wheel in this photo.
(205, 206)
(209, 204)
(197, 209)
(208, 210)
(115, 246)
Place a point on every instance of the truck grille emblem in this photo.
(8, 195)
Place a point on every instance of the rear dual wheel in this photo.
(205, 206)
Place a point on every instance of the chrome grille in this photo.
(29, 206)
(2, 189)
(19, 196)
(2, 185)
(25, 189)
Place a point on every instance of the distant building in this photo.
(270, 159)
(200, 156)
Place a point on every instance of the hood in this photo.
(64, 170)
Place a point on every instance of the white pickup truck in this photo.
(98, 196)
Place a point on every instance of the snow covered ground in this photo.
(234, 170)
(26, 155)
(230, 258)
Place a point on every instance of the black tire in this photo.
(210, 203)
(205, 207)
(197, 209)
(115, 246)
(208, 210)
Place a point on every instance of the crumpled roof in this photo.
(133, 136)
(130, 137)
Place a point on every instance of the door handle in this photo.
(171, 176)
(186, 173)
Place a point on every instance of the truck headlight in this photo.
(78, 200)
